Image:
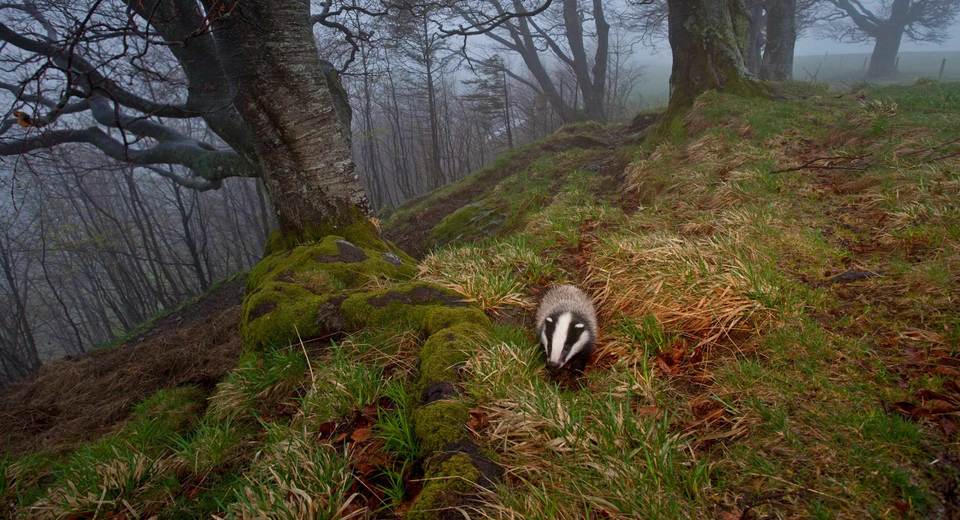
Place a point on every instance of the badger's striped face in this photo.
(564, 335)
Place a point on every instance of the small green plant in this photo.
(395, 488)
(395, 426)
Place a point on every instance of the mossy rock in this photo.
(417, 305)
(443, 353)
(440, 424)
(296, 293)
(454, 481)
(333, 262)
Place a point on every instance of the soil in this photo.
(80, 399)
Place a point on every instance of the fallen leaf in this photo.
(939, 406)
(946, 371)
(910, 410)
(648, 411)
(478, 419)
(326, 429)
(371, 410)
(361, 434)
(930, 395)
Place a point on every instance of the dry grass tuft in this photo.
(701, 288)
(494, 278)
(297, 477)
(122, 481)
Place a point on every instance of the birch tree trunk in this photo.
(295, 116)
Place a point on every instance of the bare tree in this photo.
(561, 32)
(886, 22)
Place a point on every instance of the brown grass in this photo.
(697, 288)
(76, 400)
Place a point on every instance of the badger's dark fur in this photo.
(567, 327)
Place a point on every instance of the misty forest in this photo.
(307, 259)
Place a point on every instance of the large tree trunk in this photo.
(883, 61)
(295, 114)
(708, 39)
(781, 40)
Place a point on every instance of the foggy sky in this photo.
(814, 45)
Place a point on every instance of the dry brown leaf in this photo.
(361, 434)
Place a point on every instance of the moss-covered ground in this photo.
(777, 286)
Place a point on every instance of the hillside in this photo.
(777, 289)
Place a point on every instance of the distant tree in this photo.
(781, 39)
(756, 35)
(772, 31)
(886, 22)
(490, 96)
(427, 53)
(563, 34)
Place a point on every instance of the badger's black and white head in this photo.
(565, 335)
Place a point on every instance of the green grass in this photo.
(730, 376)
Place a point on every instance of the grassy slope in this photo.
(734, 377)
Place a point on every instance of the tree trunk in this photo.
(883, 61)
(708, 39)
(506, 115)
(754, 50)
(295, 115)
(781, 40)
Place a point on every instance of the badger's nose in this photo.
(553, 367)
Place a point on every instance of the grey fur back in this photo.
(564, 298)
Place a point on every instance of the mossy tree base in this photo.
(320, 287)
(709, 40)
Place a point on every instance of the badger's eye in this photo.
(579, 325)
(549, 320)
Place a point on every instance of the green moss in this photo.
(288, 312)
(362, 233)
(469, 222)
(455, 478)
(416, 305)
(446, 350)
(308, 260)
(286, 290)
(439, 424)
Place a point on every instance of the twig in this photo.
(313, 378)
(811, 164)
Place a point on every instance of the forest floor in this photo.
(79, 399)
(778, 293)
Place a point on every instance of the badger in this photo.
(567, 327)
